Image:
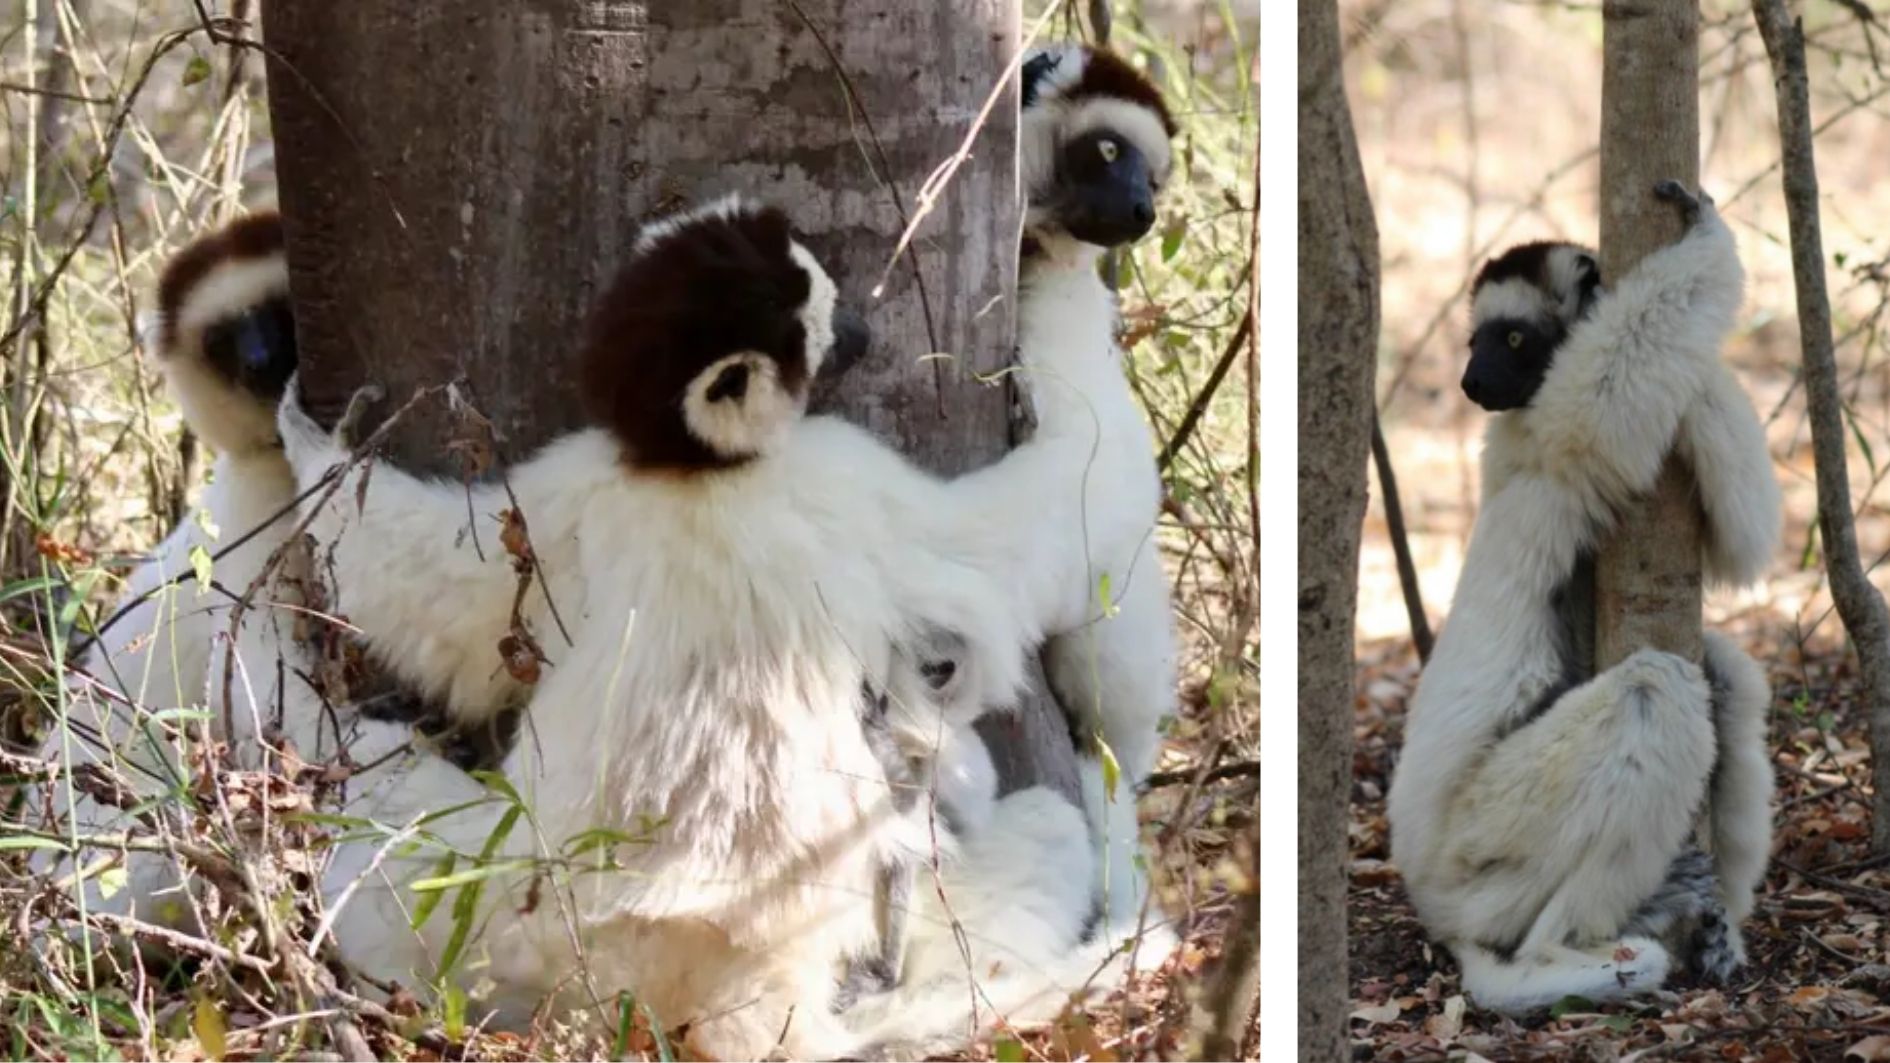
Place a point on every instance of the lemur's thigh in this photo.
(1118, 672)
(1742, 778)
(1572, 818)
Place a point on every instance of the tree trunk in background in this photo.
(1338, 338)
(1647, 575)
(460, 178)
(1860, 604)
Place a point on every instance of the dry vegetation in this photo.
(1478, 125)
(128, 130)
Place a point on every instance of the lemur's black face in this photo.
(1524, 302)
(1108, 189)
(255, 350)
(1509, 357)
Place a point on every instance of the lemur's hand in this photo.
(1691, 207)
(364, 396)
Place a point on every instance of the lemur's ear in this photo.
(1039, 66)
(1588, 284)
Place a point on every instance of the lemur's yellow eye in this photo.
(1109, 149)
(1515, 341)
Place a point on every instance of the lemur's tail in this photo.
(1527, 981)
(1006, 942)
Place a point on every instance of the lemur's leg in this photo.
(1689, 915)
(878, 971)
(1742, 777)
(1572, 819)
(1723, 442)
(1516, 984)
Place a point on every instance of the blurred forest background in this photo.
(132, 125)
(1478, 126)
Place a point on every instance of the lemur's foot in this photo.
(364, 396)
(1721, 953)
(1690, 205)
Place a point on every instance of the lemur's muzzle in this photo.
(1111, 193)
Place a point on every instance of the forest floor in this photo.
(1817, 982)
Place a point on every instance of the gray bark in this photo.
(459, 179)
(1647, 574)
(1859, 604)
(1338, 336)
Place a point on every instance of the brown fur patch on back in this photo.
(723, 282)
(1106, 74)
(258, 235)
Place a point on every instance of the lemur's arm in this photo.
(430, 601)
(1723, 441)
(1609, 408)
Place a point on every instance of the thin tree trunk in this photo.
(1647, 575)
(459, 179)
(1338, 336)
(1858, 602)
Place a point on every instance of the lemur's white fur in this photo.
(722, 623)
(1545, 833)
(757, 423)
(1116, 671)
(165, 652)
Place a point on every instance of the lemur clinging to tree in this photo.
(1541, 814)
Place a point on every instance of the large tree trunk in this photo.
(459, 178)
(1860, 604)
(1647, 575)
(1338, 338)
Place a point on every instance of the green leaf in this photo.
(431, 899)
(207, 1023)
(27, 841)
(1112, 768)
(1007, 1050)
(453, 1012)
(198, 69)
(112, 880)
(626, 1023)
(27, 586)
(1106, 597)
(1618, 1023)
(200, 564)
(468, 876)
(1171, 238)
(1571, 1005)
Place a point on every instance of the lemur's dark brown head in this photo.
(226, 333)
(1523, 304)
(1094, 141)
(701, 352)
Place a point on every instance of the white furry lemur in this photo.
(226, 347)
(1541, 814)
(732, 571)
(1094, 152)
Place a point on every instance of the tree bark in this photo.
(460, 178)
(1647, 574)
(1859, 604)
(1338, 336)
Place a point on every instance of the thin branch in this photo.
(1199, 406)
(1401, 544)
